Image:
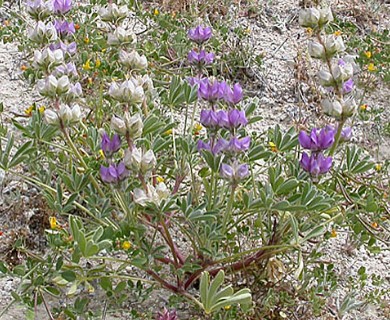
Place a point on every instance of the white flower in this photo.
(309, 17)
(38, 9)
(349, 107)
(332, 108)
(316, 50)
(326, 16)
(121, 36)
(326, 79)
(43, 33)
(133, 60)
(134, 125)
(112, 13)
(333, 44)
(154, 195)
(47, 59)
(342, 72)
(63, 85)
(118, 125)
(127, 92)
(51, 117)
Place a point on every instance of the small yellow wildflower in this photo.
(53, 223)
(371, 67)
(363, 107)
(126, 245)
(104, 50)
(273, 146)
(6, 23)
(333, 233)
(337, 33)
(41, 109)
(227, 307)
(374, 225)
(160, 179)
(168, 132)
(197, 128)
(309, 31)
(86, 40)
(87, 65)
(77, 26)
(368, 54)
(90, 80)
(378, 167)
(247, 30)
(101, 154)
(23, 68)
(98, 63)
(156, 12)
(29, 110)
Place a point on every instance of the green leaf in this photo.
(203, 287)
(316, 232)
(215, 284)
(106, 284)
(69, 275)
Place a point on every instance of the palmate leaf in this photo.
(214, 299)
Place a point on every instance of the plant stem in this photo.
(337, 137)
(228, 214)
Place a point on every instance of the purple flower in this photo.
(234, 96)
(110, 146)
(113, 173)
(201, 58)
(236, 119)
(346, 132)
(167, 315)
(239, 145)
(348, 86)
(62, 6)
(341, 63)
(200, 34)
(71, 48)
(210, 91)
(235, 172)
(316, 164)
(64, 27)
(209, 118)
(317, 140)
(66, 69)
(220, 146)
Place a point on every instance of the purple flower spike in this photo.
(239, 145)
(110, 146)
(209, 118)
(317, 140)
(64, 27)
(201, 58)
(316, 164)
(62, 6)
(113, 173)
(201, 145)
(234, 96)
(341, 62)
(346, 134)
(348, 86)
(167, 315)
(235, 172)
(200, 34)
(220, 146)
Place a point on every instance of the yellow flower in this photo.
(160, 179)
(363, 107)
(101, 153)
(29, 110)
(371, 67)
(378, 167)
(23, 68)
(87, 65)
(374, 225)
(86, 40)
(168, 132)
(41, 109)
(156, 12)
(104, 50)
(368, 54)
(247, 30)
(126, 245)
(98, 63)
(309, 31)
(333, 233)
(273, 146)
(337, 33)
(6, 23)
(173, 14)
(53, 223)
(227, 307)
(90, 80)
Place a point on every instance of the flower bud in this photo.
(326, 16)
(48, 86)
(153, 195)
(349, 107)
(342, 72)
(325, 78)
(148, 161)
(333, 109)
(316, 50)
(69, 115)
(48, 59)
(63, 85)
(38, 9)
(51, 117)
(118, 125)
(127, 92)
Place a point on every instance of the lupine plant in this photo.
(162, 183)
